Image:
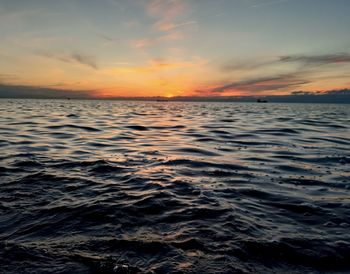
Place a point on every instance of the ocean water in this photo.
(166, 187)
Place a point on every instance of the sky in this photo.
(134, 48)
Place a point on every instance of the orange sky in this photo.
(175, 47)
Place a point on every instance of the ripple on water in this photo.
(135, 187)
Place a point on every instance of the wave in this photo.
(132, 187)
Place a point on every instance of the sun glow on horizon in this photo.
(169, 95)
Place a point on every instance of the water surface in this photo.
(165, 187)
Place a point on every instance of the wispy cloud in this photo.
(307, 61)
(270, 3)
(105, 37)
(148, 42)
(156, 65)
(143, 43)
(300, 70)
(172, 36)
(337, 58)
(168, 26)
(74, 57)
(259, 84)
(168, 16)
(131, 23)
(6, 78)
(84, 59)
(166, 9)
(248, 64)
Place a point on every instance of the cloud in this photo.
(105, 37)
(22, 91)
(172, 36)
(84, 59)
(74, 57)
(166, 9)
(166, 14)
(148, 42)
(269, 83)
(239, 65)
(8, 77)
(159, 65)
(329, 96)
(143, 43)
(300, 69)
(163, 63)
(131, 23)
(339, 92)
(338, 58)
(264, 4)
(307, 61)
(327, 92)
(168, 26)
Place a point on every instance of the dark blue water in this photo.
(164, 187)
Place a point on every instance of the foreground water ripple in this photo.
(165, 187)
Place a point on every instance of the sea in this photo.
(93, 186)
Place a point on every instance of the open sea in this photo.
(170, 187)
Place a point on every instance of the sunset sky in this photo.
(176, 47)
